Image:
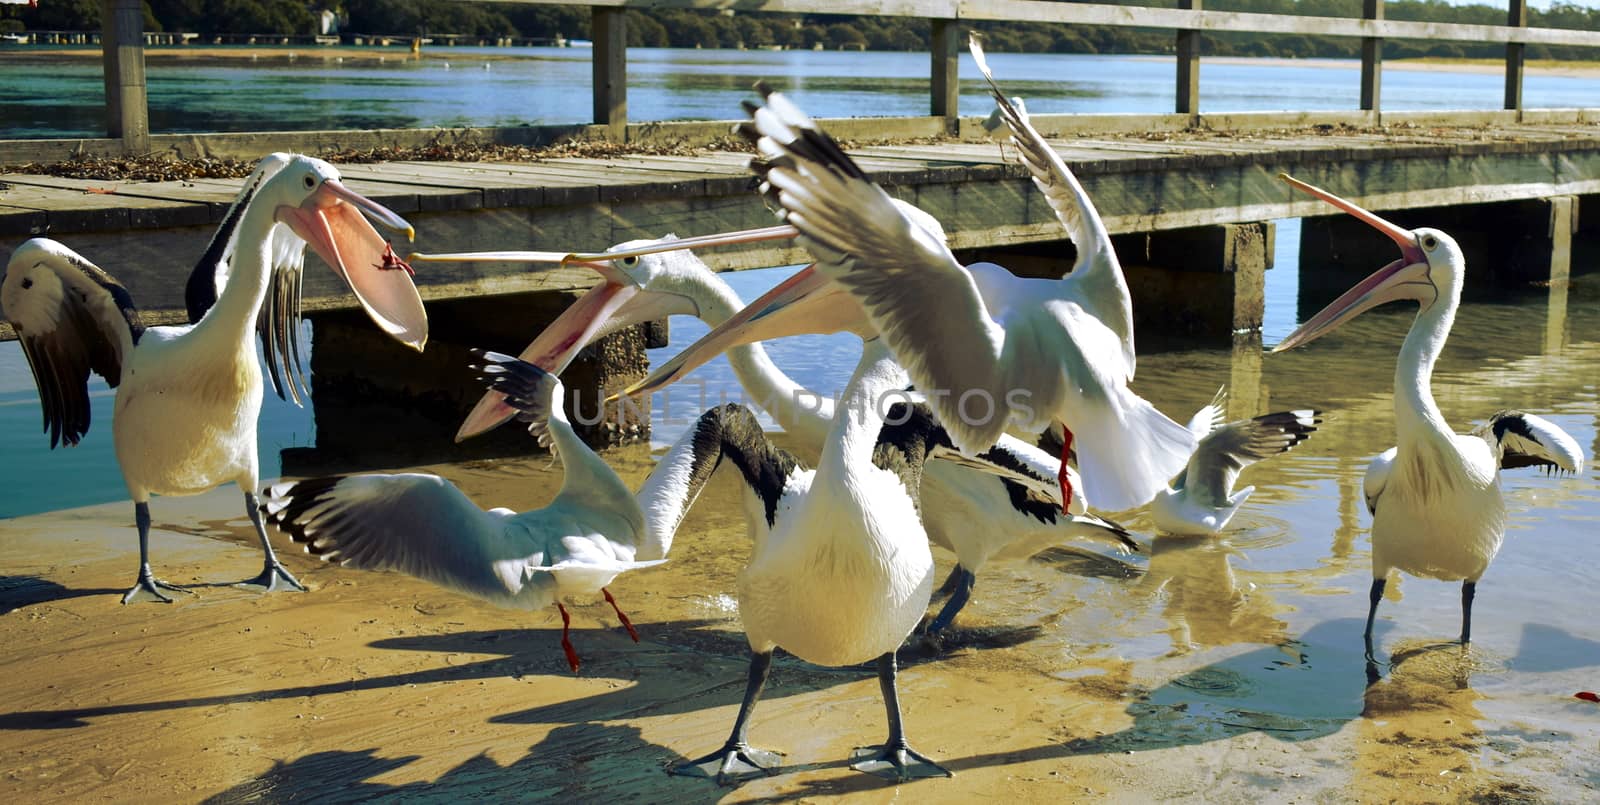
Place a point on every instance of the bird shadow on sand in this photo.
(17, 592)
(526, 652)
(574, 763)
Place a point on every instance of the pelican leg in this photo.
(1374, 596)
(272, 572)
(737, 760)
(895, 760)
(1469, 590)
(566, 638)
(148, 588)
(964, 580)
(632, 632)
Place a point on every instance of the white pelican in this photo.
(968, 511)
(988, 348)
(1435, 499)
(1200, 500)
(844, 573)
(423, 526)
(184, 419)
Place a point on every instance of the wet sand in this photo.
(1071, 675)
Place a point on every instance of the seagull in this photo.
(1435, 496)
(423, 526)
(992, 348)
(1200, 500)
(184, 419)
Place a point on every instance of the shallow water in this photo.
(531, 86)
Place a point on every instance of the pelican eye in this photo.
(629, 262)
(1429, 241)
(311, 181)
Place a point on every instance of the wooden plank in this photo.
(403, 191)
(1516, 16)
(151, 204)
(944, 86)
(1371, 58)
(1187, 94)
(122, 55)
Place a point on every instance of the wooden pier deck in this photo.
(148, 234)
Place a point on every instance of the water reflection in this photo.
(1204, 599)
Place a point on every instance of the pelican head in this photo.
(1430, 268)
(640, 281)
(307, 195)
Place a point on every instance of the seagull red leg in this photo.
(566, 641)
(632, 632)
(1061, 474)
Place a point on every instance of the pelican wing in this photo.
(918, 297)
(72, 318)
(1225, 451)
(420, 525)
(1525, 440)
(1066, 197)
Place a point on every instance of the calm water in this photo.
(517, 86)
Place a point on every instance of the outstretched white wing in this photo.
(1525, 440)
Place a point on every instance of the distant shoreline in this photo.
(1575, 69)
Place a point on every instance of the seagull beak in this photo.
(330, 221)
(807, 302)
(1406, 278)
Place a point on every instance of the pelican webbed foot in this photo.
(734, 763)
(896, 761)
(273, 578)
(149, 589)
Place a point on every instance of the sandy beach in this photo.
(378, 684)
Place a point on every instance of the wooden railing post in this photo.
(1188, 91)
(122, 52)
(1516, 18)
(1371, 58)
(610, 33)
(945, 101)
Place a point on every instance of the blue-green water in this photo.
(529, 86)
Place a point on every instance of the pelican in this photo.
(988, 347)
(1435, 500)
(1200, 501)
(184, 418)
(966, 510)
(423, 526)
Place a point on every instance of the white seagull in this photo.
(1200, 500)
(184, 418)
(1435, 496)
(423, 526)
(988, 348)
(966, 510)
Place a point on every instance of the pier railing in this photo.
(127, 118)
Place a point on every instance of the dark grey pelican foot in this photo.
(737, 760)
(273, 578)
(149, 589)
(898, 763)
(272, 572)
(961, 582)
(895, 760)
(732, 764)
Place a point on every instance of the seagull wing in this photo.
(1220, 456)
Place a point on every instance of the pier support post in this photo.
(122, 54)
(1516, 17)
(1205, 283)
(1188, 48)
(382, 404)
(946, 81)
(1371, 59)
(610, 34)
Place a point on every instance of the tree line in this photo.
(687, 28)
